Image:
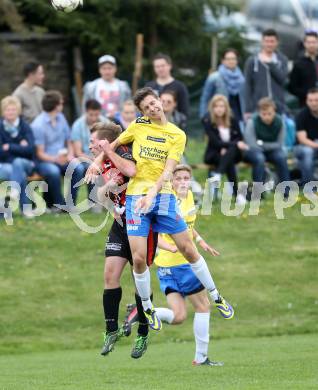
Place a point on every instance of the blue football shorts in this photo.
(180, 279)
(164, 216)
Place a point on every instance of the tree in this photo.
(110, 26)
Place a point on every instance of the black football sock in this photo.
(111, 301)
(143, 323)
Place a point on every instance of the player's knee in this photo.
(203, 307)
(139, 260)
(188, 251)
(111, 278)
(179, 317)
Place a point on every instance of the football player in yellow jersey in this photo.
(157, 148)
(176, 277)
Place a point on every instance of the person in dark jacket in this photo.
(16, 150)
(304, 75)
(162, 65)
(225, 142)
(266, 75)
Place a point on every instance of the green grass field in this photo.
(51, 317)
(286, 362)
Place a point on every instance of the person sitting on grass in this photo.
(16, 151)
(264, 135)
(225, 142)
(54, 150)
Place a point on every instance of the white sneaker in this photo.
(14, 194)
(28, 214)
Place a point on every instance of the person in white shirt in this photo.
(108, 90)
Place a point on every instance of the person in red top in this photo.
(116, 171)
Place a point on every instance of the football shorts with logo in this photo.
(163, 216)
(174, 272)
(117, 243)
(180, 279)
(152, 145)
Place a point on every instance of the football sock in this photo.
(165, 315)
(111, 301)
(201, 334)
(202, 272)
(143, 323)
(142, 282)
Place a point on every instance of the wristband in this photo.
(198, 238)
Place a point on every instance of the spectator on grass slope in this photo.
(264, 134)
(304, 75)
(54, 150)
(16, 150)
(170, 103)
(108, 90)
(225, 143)
(266, 74)
(127, 115)
(30, 92)
(162, 66)
(229, 81)
(306, 151)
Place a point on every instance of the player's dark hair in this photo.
(270, 32)
(171, 93)
(51, 100)
(230, 50)
(162, 56)
(109, 131)
(142, 93)
(30, 67)
(311, 34)
(92, 104)
(312, 90)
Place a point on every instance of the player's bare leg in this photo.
(138, 247)
(201, 270)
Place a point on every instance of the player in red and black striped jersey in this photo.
(116, 171)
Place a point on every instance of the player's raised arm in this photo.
(123, 161)
(203, 244)
(143, 204)
(94, 169)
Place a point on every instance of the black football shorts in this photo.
(117, 243)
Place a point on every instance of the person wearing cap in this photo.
(108, 90)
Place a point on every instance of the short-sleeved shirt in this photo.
(108, 95)
(81, 132)
(305, 120)
(153, 144)
(188, 212)
(31, 100)
(53, 138)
